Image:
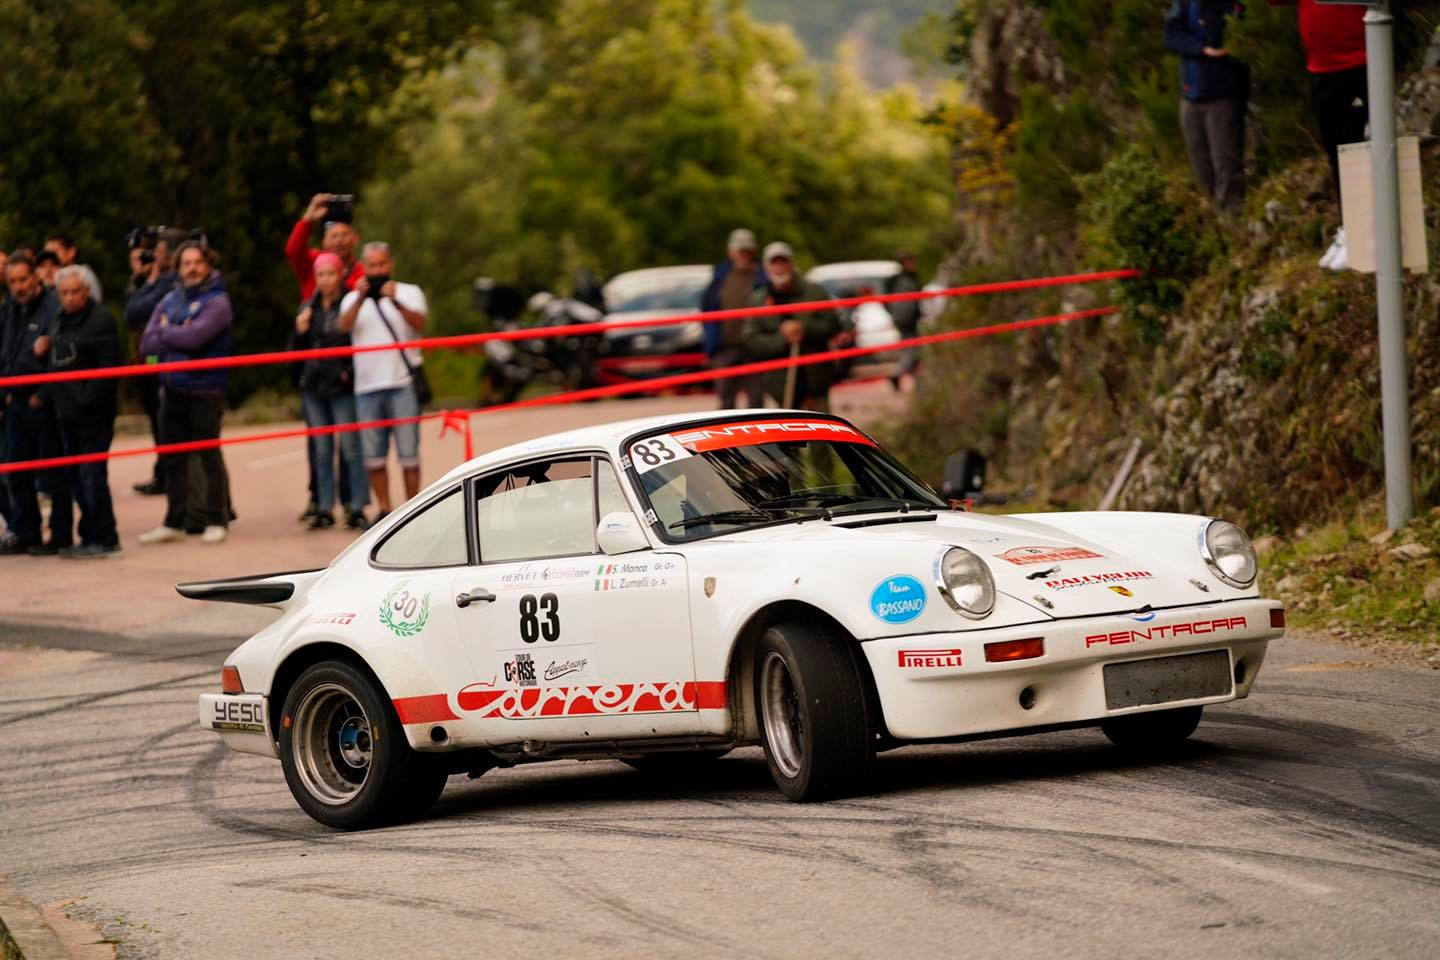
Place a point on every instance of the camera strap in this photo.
(409, 367)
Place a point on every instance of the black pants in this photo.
(91, 481)
(32, 434)
(1215, 140)
(729, 389)
(183, 418)
(149, 389)
(1341, 101)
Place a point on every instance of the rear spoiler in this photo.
(264, 589)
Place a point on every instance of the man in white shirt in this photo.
(379, 310)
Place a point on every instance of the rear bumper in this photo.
(242, 720)
(940, 685)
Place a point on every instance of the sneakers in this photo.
(13, 546)
(1337, 257)
(162, 535)
(322, 520)
(214, 534)
(48, 549)
(89, 551)
(311, 509)
(355, 519)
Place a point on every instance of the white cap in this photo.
(777, 250)
(742, 239)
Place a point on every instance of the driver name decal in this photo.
(748, 434)
(898, 599)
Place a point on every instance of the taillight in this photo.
(230, 681)
(1277, 618)
(1015, 650)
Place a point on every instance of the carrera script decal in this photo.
(1168, 631)
(1022, 556)
(910, 659)
(1095, 579)
(611, 699)
(748, 434)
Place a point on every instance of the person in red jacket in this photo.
(339, 239)
(1333, 36)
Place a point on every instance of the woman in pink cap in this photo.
(327, 389)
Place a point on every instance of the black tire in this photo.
(345, 756)
(816, 722)
(1149, 732)
(687, 761)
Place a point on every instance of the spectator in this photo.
(192, 322)
(31, 431)
(773, 337)
(377, 311)
(1214, 88)
(63, 247)
(83, 337)
(906, 316)
(46, 263)
(339, 239)
(4, 483)
(160, 278)
(730, 288)
(328, 393)
(1333, 36)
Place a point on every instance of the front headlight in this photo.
(965, 582)
(1229, 553)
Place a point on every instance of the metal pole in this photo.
(1389, 294)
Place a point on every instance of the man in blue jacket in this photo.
(1214, 88)
(192, 322)
(736, 277)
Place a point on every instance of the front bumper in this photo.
(939, 685)
(241, 719)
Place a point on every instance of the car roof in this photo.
(853, 268)
(606, 436)
(660, 276)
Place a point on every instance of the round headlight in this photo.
(965, 582)
(1229, 553)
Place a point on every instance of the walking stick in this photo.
(790, 377)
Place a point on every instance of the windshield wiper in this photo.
(887, 503)
(722, 516)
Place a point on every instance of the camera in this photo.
(145, 238)
(340, 208)
(376, 283)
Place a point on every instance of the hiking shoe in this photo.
(321, 521)
(162, 534)
(213, 534)
(311, 509)
(89, 551)
(48, 549)
(355, 520)
(150, 488)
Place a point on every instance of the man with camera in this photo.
(156, 247)
(389, 384)
(336, 211)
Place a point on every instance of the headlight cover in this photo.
(1229, 553)
(965, 582)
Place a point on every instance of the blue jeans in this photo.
(91, 481)
(324, 413)
(392, 404)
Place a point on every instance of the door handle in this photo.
(478, 595)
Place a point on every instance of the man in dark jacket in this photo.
(775, 336)
(735, 279)
(158, 283)
(1214, 88)
(82, 337)
(31, 432)
(191, 323)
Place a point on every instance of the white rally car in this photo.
(662, 591)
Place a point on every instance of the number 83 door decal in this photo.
(539, 617)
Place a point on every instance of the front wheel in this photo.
(816, 722)
(1143, 732)
(344, 752)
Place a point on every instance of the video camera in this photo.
(340, 208)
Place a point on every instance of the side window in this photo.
(536, 511)
(435, 537)
(608, 493)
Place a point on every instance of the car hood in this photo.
(1040, 564)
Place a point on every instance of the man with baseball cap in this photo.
(782, 335)
(736, 277)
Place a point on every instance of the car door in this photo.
(566, 642)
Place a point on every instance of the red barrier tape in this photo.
(452, 418)
(540, 333)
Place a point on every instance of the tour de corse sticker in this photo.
(656, 452)
(898, 599)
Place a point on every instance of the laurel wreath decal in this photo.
(403, 628)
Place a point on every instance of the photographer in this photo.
(388, 383)
(156, 247)
(328, 393)
(336, 212)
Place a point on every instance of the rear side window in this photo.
(536, 511)
(434, 537)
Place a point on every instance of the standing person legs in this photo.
(1340, 101)
(92, 482)
(376, 405)
(149, 390)
(342, 410)
(175, 428)
(407, 439)
(322, 454)
(20, 444)
(1225, 134)
(56, 482)
(1197, 144)
(205, 425)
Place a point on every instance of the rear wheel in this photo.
(1152, 731)
(816, 722)
(344, 752)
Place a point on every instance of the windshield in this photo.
(720, 477)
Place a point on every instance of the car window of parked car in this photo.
(537, 511)
(434, 537)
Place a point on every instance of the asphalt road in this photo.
(1304, 822)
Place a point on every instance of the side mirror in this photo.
(964, 475)
(620, 533)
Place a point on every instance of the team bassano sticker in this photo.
(404, 613)
(898, 599)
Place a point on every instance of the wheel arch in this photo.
(740, 670)
(302, 658)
